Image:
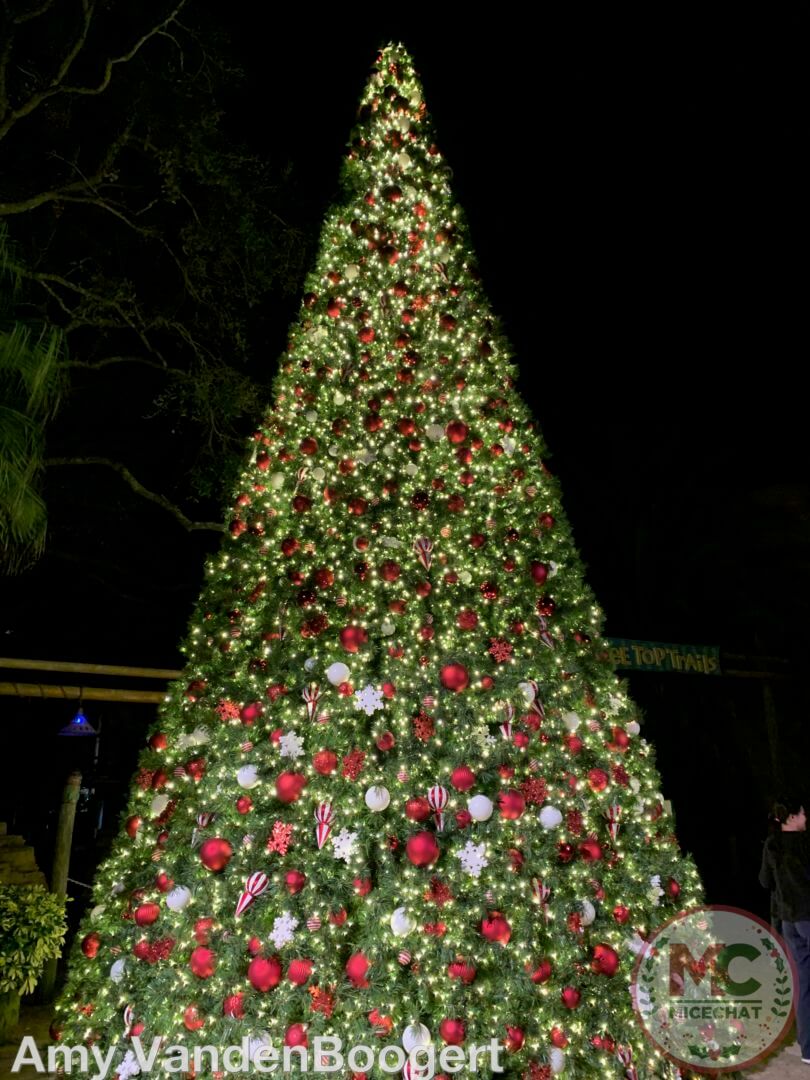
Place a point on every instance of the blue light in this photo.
(79, 725)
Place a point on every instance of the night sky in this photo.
(633, 194)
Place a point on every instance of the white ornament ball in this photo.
(277, 480)
(118, 888)
(97, 912)
(480, 808)
(571, 721)
(340, 399)
(387, 627)
(318, 474)
(552, 569)
(334, 449)
(550, 817)
(587, 912)
(311, 416)
(351, 271)
(159, 804)
(633, 728)
(411, 469)
(337, 674)
(117, 970)
(377, 798)
(310, 662)
(247, 777)
(528, 691)
(465, 577)
(415, 1035)
(635, 785)
(401, 922)
(434, 432)
(556, 1059)
(178, 898)
(403, 161)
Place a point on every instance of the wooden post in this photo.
(61, 865)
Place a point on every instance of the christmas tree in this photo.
(400, 796)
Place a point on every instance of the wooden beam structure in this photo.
(16, 664)
(81, 693)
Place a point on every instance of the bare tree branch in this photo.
(139, 489)
(56, 85)
(96, 365)
(35, 13)
(7, 209)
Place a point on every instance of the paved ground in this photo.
(36, 1020)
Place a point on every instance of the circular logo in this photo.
(713, 989)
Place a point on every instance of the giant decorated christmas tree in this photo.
(399, 795)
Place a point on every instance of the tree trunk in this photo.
(9, 1015)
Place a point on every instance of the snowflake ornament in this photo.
(369, 699)
(473, 859)
(283, 929)
(656, 892)
(343, 844)
(128, 1067)
(291, 745)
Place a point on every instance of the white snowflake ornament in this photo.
(283, 929)
(473, 859)
(291, 745)
(343, 844)
(369, 699)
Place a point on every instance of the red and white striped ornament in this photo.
(423, 547)
(311, 695)
(324, 816)
(340, 601)
(248, 839)
(180, 770)
(246, 747)
(437, 800)
(506, 726)
(541, 894)
(404, 957)
(625, 1056)
(402, 776)
(313, 923)
(255, 885)
(129, 1019)
(428, 701)
(613, 814)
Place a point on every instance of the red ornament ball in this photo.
(158, 741)
(673, 888)
(202, 962)
(299, 972)
(192, 1020)
(133, 824)
(462, 778)
(511, 805)
(417, 808)
(356, 970)
(295, 880)
(590, 850)
(570, 997)
(146, 914)
(353, 637)
(422, 849)
(467, 619)
(289, 786)
(234, 1005)
(390, 570)
(456, 431)
(621, 914)
(496, 928)
(386, 741)
(264, 973)
(540, 972)
(539, 572)
(452, 1031)
(605, 960)
(215, 854)
(454, 677)
(244, 804)
(515, 1038)
(91, 943)
(296, 1035)
(324, 762)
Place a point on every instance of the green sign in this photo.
(657, 656)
